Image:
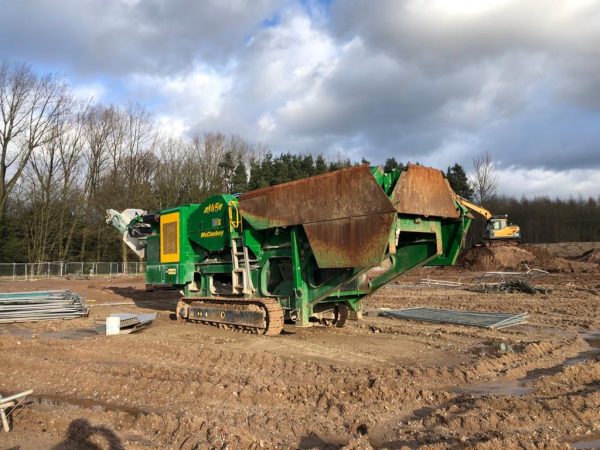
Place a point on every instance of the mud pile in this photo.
(568, 250)
(547, 260)
(520, 257)
(496, 258)
(592, 256)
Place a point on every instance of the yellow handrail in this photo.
(234, 221)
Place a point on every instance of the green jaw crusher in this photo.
(298, 251)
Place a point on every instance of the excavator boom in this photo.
(473, 207)
(497, 228)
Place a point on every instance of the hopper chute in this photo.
(346, 215)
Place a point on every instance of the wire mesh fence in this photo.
(57, 269)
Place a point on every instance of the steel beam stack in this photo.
(41, 305)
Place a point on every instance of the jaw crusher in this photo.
(298, 251)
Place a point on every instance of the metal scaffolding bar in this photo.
(41, 305)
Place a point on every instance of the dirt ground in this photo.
(378, 382)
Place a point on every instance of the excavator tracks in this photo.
(249, 315)
(502, 242)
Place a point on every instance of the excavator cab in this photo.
(498, 228)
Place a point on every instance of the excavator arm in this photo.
(497, 228)
(473, 207)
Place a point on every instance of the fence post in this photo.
(47, 270)
(14, 270)
(81, 272)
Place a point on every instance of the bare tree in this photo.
(30, 107)
(52, 189)
(71, 150)
(484, 179)
(172, 177)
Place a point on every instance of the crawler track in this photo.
(249, 315)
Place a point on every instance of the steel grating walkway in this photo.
(491, 320)
(41, 305)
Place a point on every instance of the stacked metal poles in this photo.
(41, 305)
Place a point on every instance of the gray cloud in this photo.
(123, 36)
(433, 82)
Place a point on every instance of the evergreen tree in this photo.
(227, 165)
(459, 182)
(255, 181)
(267, 170)
(307, 166)
(341, 164)
(390, 164)
(239, 182)
(320, 165)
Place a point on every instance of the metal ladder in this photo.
(241, 282)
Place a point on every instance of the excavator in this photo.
(497, 231)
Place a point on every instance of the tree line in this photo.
(64, 161)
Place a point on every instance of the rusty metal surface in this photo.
(345, 193)
(352, 242)
(424, 191)
(346, 215)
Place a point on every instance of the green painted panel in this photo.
(209, 223)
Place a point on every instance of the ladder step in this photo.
(239, 253)
(240, 270)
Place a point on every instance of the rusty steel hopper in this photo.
(346, 215)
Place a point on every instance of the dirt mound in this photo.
(588, 262)
(568, 250)
(591, 256)
(496, 258)
(518, 257)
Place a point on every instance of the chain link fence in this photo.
(57, 269)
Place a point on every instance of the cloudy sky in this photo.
(431, 81)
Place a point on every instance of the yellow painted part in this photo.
(169, 238)
(507, 232)
(473, 207)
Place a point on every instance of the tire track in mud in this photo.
(184, 387)
(255, 386)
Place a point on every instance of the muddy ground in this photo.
(379, 382)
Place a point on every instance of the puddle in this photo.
(594, 442)
(522, 386)
(77, 333)
(592, 338)
(511, 387)
(93, 405)
(16, 331)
